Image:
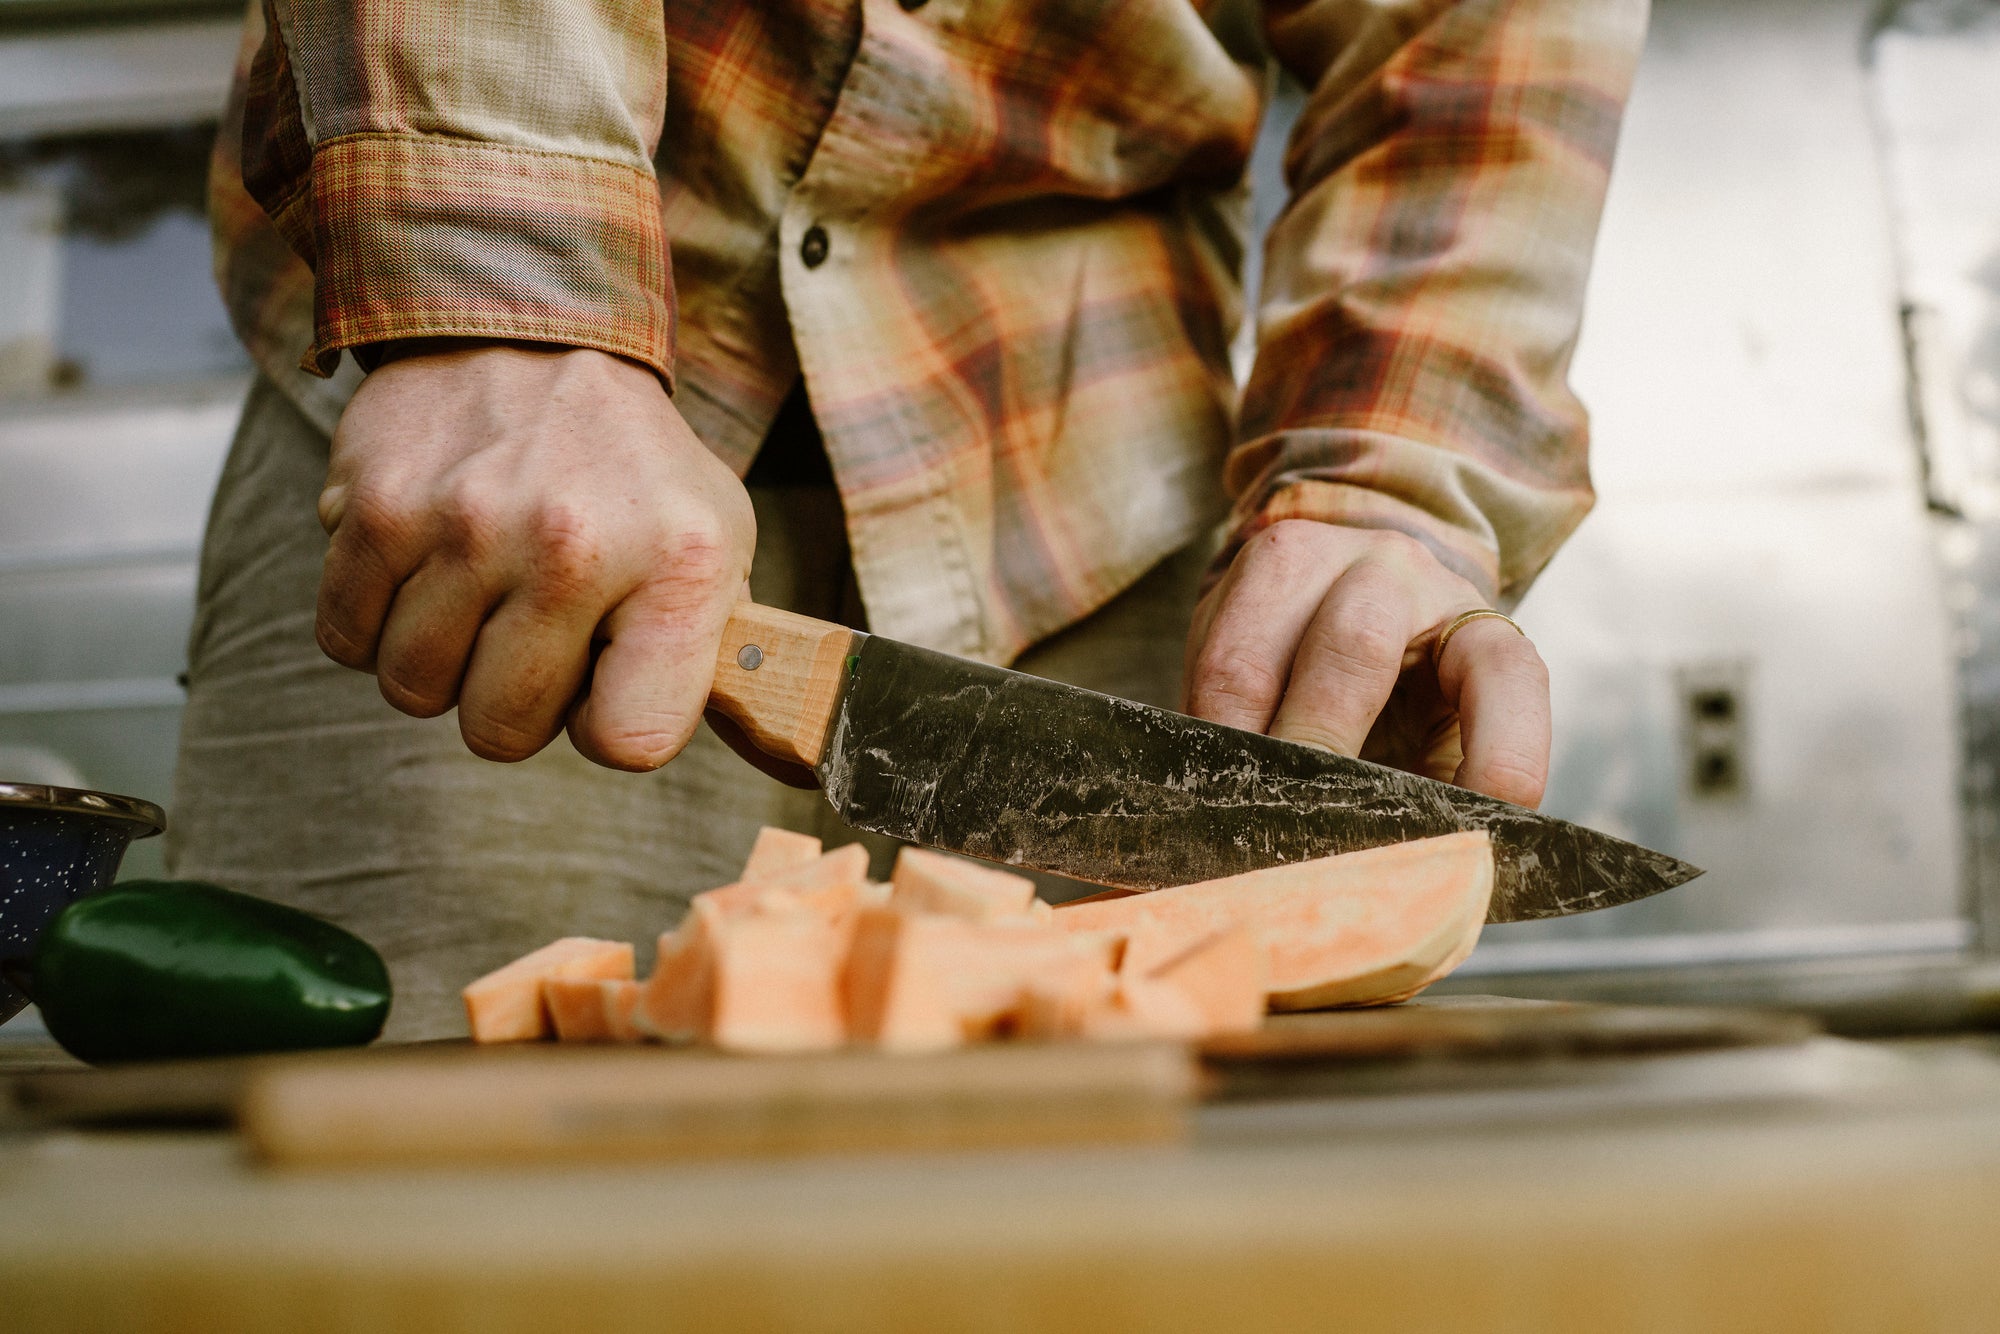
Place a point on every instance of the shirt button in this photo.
(812, 247)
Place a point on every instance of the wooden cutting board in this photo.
(453, 1102)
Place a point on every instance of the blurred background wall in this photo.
(1775, 645)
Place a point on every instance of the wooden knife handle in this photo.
(777, 676)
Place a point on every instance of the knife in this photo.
(1012, 768)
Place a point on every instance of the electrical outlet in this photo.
(1715, 729)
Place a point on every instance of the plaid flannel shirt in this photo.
(1001, 241)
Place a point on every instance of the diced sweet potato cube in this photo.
(935, 882)
(920, 981)
(777, 983)
(621, 1003)
(588, 1009)
(506, 1005)
(845, 865)
(675, 1003)
(779, 850)
(1059, 1003)
(895, 997)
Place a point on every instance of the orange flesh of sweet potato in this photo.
(674, 1003)
(621, 1002)
(924, 981)
(1139, 1007)
(845, 865)
(588, 1009)
(506, 1005)
(777, 983)
(934, 882)
(893, 993)
(777, 850)
(1223, 975)
(576, 1008)
(1357, 929)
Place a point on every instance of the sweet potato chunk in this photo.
(845, 865)
(506, 1005)
(676, 1002)
(588, 1009)
(919, 981)
(1364, 928)
(934, 882)
(779, 850)
(777, 982)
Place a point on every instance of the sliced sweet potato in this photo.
(1223, 975)
(589, 1009)
(1358, 929)
(779, 850)
(506, 1005)
(935, 882)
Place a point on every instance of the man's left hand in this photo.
(1324, 634)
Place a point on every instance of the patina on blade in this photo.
(1013, 768)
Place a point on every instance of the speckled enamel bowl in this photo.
(55, 844)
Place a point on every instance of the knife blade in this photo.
(1017, 769)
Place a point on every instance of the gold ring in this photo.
(1463, 619)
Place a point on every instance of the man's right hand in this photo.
(496, 514)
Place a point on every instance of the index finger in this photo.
(1494, 679)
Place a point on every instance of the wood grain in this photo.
(785, 701)
(553, 1104)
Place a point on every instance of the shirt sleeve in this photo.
(1424, 284)
(449, 168)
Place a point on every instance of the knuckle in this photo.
(568, 549)
(471, 518)
(1398, 547)
(378, 520)
(1365, 633)
(1228, 677)
(700, 553)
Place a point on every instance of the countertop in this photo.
(1824, 1186)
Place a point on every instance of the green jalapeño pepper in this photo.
(156, 969)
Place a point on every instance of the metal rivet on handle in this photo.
(750, 657)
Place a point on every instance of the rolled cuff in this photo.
(423, 237)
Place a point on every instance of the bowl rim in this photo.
(82, 801)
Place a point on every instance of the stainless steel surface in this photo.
(1018, 769)
(1937, 90)
(1761, 526)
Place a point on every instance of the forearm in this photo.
(1423, 288)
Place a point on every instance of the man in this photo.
(953, 283)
